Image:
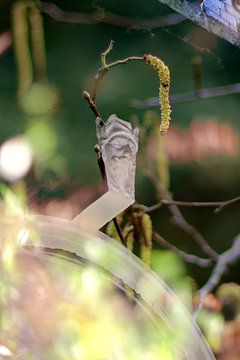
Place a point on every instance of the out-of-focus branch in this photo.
(227, 258)
(219, 205)
(102, 16)
(193, 259)
(180, 220)
(190, 96)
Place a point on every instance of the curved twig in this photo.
(193, 259)
(219, 205)
(227, 258)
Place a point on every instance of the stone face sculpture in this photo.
(119, 145)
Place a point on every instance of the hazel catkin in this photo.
(164, 75)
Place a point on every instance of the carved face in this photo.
(119, 145)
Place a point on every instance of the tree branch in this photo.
(180, 220)
(102, 16)
(92, 105)
(119, 232)
(227, 258)
(193, 259)
(190, 96)
(219, 205)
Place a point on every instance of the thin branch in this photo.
(92, 105)
(227, 203)
(190, 96)
(119, 232)
(102, 71)
(180, 220)
(219, 205)
(152, 208)
(105, 53)
(227, 258)
(125, 61)
(101, 164)
(193, 259)
(102, 16)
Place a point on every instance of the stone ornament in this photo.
(119, 145)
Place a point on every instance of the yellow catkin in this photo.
(146, 255)
(128, 236)
(112, 232)
(164, 75)
(146, 239)
(38, 45)
(21, 46)
(130, 241)
(162, 164)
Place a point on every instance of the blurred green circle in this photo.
(40, 99)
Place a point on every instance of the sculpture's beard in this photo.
(120, 172)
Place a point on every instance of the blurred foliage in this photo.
(73, 312)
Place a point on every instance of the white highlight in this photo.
(23, 236)
(4, 351)
(15, 158)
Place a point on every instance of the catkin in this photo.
(164, 75)
(38, 44)
(162, 164)
(21, 46)
(146, 239)
(128, 236)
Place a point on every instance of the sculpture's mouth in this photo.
(122, 157)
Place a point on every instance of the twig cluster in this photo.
(221, 261)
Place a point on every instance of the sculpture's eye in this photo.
(118, 143)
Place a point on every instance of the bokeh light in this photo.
(15, 158)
